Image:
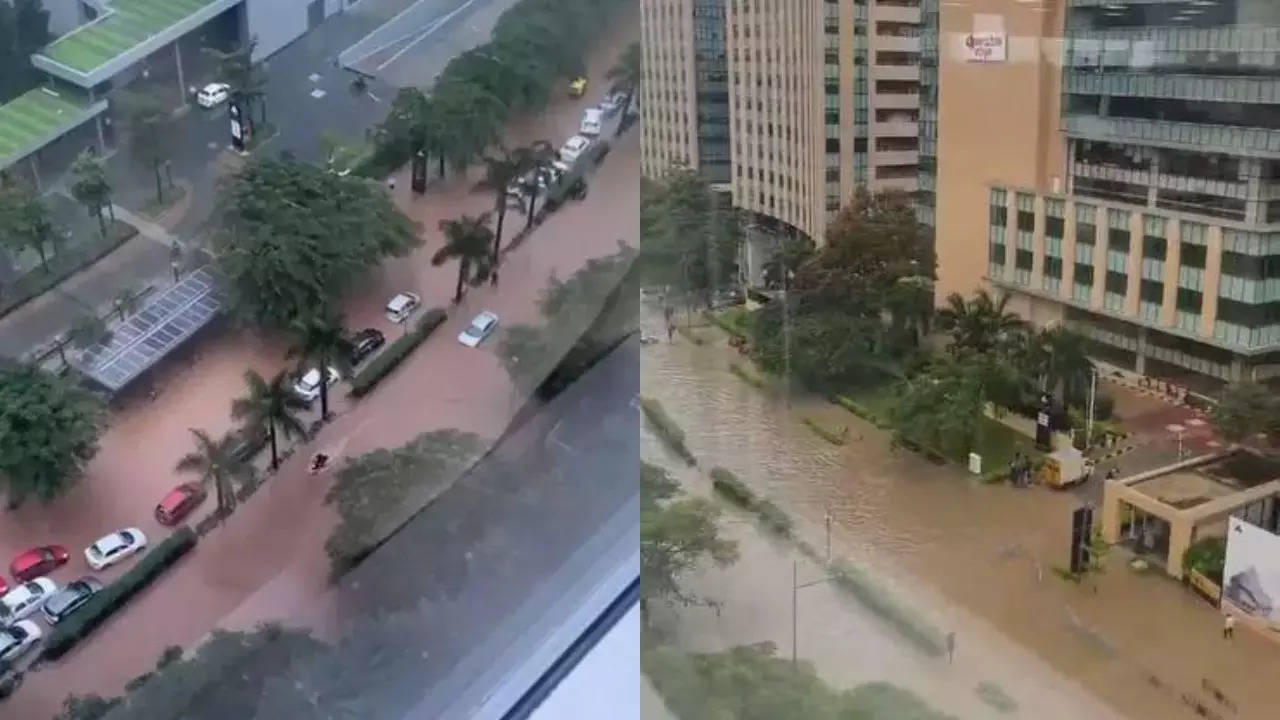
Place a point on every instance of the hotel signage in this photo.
(985, 47)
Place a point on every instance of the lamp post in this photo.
(1093, 391)
(796, 587)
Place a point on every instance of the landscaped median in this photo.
(62, 265)
(736, 492)
(666, 429)
(384, 362)
(113, 597)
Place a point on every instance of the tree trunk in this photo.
(533, 200)
(442, 164)
(324, 390)
(497, 234)
(44, 257)
(463, 267)
(622, 117)
(159, 186)
(102, 224)
(275, 455)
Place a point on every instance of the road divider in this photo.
(107, 601)
(735, 491)
(667, 429)
(384, 362)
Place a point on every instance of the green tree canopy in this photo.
(943, 406)
(1246, 409)
(981, 323)
(377, 492)
(322, 343)
(294, 238)
(688, 237)
(273, 406)
(49, 430)
(215, 463)
(90, 188)
(25, 220)
(466, 240)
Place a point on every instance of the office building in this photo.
(1115, 165)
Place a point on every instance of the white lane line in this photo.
(427, 33)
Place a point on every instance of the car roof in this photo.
(311, 377)
(214, 86)
(399, 301)
(592, 111)
(485, 316)
(175, 496)
(106, 542)
(29, 557)
(576, 141)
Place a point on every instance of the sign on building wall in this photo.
(985, 47)
(1251, 576)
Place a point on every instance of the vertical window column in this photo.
(1192, 252)
(998, 211)
(1117, 280)
(1154, 250)
(1054, 226)
(1024, 257)
(1086, 243)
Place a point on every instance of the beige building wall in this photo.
(668, 135)
(893, 85)
(998, 124)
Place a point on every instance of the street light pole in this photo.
(1093, 391)
(796, 587)
(828, 519)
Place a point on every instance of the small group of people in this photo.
(1020, 470)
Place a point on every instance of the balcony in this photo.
(1260, 90)
(899, 43)
(1178, 135)
(1164, 181)
(909, 183)
(896, 101)
(896, 128)
(1173, 46)
(896, 72)
(895, 157)
(897, 13)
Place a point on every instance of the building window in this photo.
(1150, 298)
(1026, 213)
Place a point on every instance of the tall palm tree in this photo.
(466, 239)
(322, 343)
(541, 155)
(1065, 366)
(979, 324)
(625, 78)
(272, 405)
(501, 168)
(216, 464)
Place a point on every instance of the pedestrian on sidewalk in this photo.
(1229, 627)
(391, 183)
(951, 647)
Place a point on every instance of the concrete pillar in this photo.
(1140, 361)
(1172, 262)
(1180, 532)
(1153, 176)
(1237, 368)
(97, 124)
(1111, 503)
(1068, 288)
(182, 83)
(1212, 279)
(1038, 246)
(35, 170)
(1133, 264)
(1101, 241)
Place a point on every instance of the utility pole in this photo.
(1093, 391)
(828, 519)
(795, 589)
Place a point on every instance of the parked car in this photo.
(573, 148)
(365, 343)
(308, 386)
(479, 329)
(213, 94)
(38, 561)
(4, 586)
(249, 441)
(18, 638)
(401, 306)
(111, 549)
(179, 502)
(611, 103)
(577, 87)
(592, 118)
(24, 599)
(69, 599)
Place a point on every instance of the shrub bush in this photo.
(773, 518)
(733, 489)
(63, 265)
(384, 362)
(1207, 556)
(113, 597)
(831, 436)
(858, 583)
(742, 372)
(667, 429)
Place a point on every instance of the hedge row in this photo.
(384, 362)
(63, 265)
(113, 597)
(858, 583)
(835, 438)
(737, 492)
(750, 377)
(667, 429)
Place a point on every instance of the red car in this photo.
(179, 503)
(37, 562)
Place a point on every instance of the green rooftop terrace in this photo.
(126, 25)
(36, 117)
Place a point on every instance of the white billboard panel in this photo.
(1251, 575)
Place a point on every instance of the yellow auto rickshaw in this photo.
(578, 87)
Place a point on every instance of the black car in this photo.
(10, 679)
(365, 343)
(70, 598)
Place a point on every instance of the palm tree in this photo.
(1065, 366)
(322, 343)
(501, 169)
(216, 464)
(271, 405)
(979, 324)
(625, 78)
(541, 154)
(466, 239)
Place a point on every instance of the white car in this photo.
(591, 121)
(213, 94)
(308, 386)
(18, 638)
(25, 599)
(610, 104)
(573, 148)
(401, 306)
(479, 329)
(111, 549)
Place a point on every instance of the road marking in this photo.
(317, 93)
(436, 25)
(314, 77)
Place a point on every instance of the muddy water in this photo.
(976, 558)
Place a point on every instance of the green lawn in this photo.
(128, 24)
(34, 115)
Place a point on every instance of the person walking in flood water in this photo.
(951, 647)
(1229, 627)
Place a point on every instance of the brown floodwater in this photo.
(975, 558)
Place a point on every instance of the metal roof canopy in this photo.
(162, 324)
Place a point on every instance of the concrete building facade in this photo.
(1116, 166)
(810, 99)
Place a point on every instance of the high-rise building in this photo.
(788, 104)
(1115, 165)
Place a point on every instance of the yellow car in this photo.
(578, 87)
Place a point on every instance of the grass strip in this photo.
(735, 491)
(667, 429)
(995, 696)
(63, 265)
(384, 362)
(831, 436)
(748, 375)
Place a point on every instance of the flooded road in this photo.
(976, 559)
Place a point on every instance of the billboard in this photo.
(1251, 575)
(985, 46)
